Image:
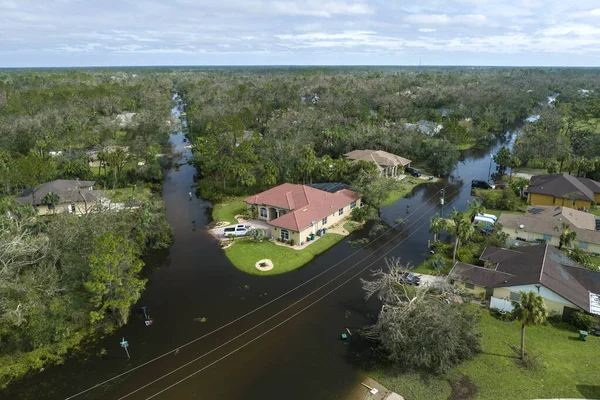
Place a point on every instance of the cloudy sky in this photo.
(38, 33)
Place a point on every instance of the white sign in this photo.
(594, 303)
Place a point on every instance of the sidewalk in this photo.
(362, 393)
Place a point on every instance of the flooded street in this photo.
(288, 349)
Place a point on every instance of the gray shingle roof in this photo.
(379, 157)
(541, 264)
(65, 189)
(564, 186)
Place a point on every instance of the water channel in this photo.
(302, 358)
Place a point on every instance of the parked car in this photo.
(410, 279)
(237, 230)
(475, 184)
(413, 172)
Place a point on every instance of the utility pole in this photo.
(442, 201)
(125, 345)
(490, 169)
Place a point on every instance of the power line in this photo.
(269, 330)
(258, 308)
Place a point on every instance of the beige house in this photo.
(297, 211)
(564, 285)
(388, 164)
(544, 223)
(75, 197)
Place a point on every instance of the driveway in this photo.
(430, 280)
(218, 232)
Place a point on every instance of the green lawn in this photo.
(401, 189)
(466, 146)
(426, 268)
(228, 209)
(352, 226)
(246, 252)
(568, 366)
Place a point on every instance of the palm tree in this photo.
(475, 208)
(462, 230)
(51, 200)
(436, 225)
(530, 309)
(566, 237)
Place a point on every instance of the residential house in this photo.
(563, 190)
(93, 154)
(543, 269)
(75, 197)
(296, 211)
(545, 224)
(125, 119)
(388, 164)
(426, 127)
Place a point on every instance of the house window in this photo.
(341, 211)
(548, 238)
(285, 235)
(515, 296)
(583, 245)
(469, 286)
(353, 204)
(263, 213)
(324, 221)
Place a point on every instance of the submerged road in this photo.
(287, 349)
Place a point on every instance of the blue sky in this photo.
(46, 33)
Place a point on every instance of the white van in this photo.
(490, 216)
(237, 230)
(484, 220)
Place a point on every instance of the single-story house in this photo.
(544, 223)
(564, 285)
(75, 197)
(296, 211)
(387, 163)
(93, 154)
(428, 128)
(563, 190)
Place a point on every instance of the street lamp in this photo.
(442, 201)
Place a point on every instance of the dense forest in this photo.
(293, 125)
(65, 278)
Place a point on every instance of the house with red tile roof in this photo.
(295, 211)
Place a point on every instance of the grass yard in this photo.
(401, 189)
(228, 209)
(246, 252)
(426, 268)
(569, 367)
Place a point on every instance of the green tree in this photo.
(475, 208)
(515, 162)
(51, 200)
(436, 225)
(113, 282)
(566, 236)
(502, 160)
(33, 171)
(116, 160)
(307, 163)
(530, 309)
(462, 229)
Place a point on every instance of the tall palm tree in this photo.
(530, 310)
(566, 237)
(436, 225)
(462, 230)
(475, 208)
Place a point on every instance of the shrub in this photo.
(292, 242)
(582, 321)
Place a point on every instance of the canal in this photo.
(288, 347)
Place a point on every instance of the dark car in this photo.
(413, 172)
(409, 279)
(475, 184)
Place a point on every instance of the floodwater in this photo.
(288, 349)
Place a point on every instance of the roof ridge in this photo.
(543, 263)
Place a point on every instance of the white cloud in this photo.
(444, 19)
(325, 9)
(426, 30)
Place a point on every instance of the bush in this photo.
(292, 242)
(582, 321)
